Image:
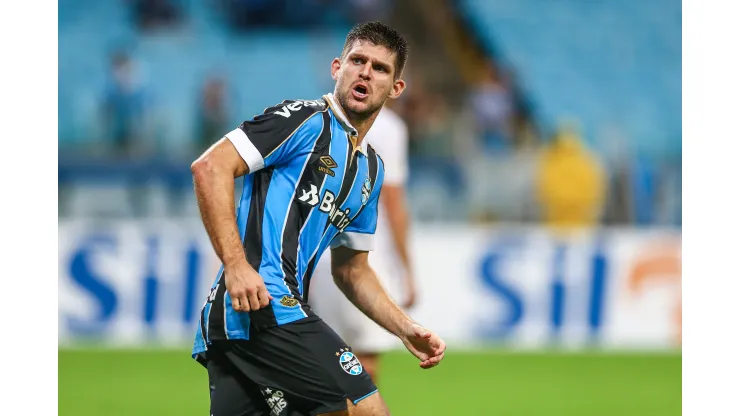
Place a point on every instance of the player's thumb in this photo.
(423, 356)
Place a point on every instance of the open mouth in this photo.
(360, 91)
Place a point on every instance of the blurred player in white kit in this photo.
(390, 259)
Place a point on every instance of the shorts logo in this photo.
(365, 191)
(349, 363)
(327, 165)
(289, 301)
(276, 400)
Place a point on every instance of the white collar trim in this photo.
(348, 127)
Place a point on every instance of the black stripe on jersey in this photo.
(349, 172)
(253, 235)
(343, 193)
(299, 211)
(324, 148)
(216, 328)
(372, 161)
(263, 317)
(253, 249)
(203, 329)
(307, 274)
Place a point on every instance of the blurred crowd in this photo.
(151, 15)
(485, 148)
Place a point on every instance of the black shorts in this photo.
(300, 368)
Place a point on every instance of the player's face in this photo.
(365, 78)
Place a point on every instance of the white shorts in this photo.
(357, 330)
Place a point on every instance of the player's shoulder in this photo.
(294, 110)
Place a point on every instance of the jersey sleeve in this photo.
(360, 233)
(277, 135)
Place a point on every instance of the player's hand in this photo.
(246, 288)
(425, 345)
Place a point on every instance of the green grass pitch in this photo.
(495, 382)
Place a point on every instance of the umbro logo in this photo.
(327, 164)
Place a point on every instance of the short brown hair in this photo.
(380, 34)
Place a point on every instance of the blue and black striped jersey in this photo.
(309, 187)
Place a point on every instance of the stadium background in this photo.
(545, 186)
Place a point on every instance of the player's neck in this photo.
(361, 124)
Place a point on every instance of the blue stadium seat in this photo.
(176, 63)
(597, 60)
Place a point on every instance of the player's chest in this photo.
(341, 186)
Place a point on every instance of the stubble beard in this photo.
(343, 98)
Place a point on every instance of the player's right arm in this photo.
(213, 179)
(272, 138)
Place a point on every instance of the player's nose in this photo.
(366, 71)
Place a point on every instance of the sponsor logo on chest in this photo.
(339, 218)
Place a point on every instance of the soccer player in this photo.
(391, 261)
(312, 183)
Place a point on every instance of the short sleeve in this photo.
(360, 233)
(276, 135)
(389, 136)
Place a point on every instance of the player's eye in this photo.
(380, 69)
(357, 61)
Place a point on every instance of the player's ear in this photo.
(398, 86)
(336, 64)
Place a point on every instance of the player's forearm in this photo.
(214, 191)
(361, 286)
